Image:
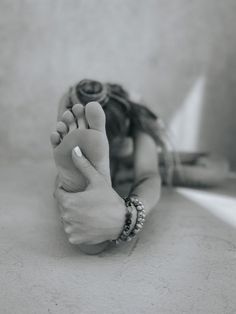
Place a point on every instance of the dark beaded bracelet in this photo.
(127, 234)
(141, 216)
(127, 226)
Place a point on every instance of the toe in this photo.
(55, 139)
(78, 111)
(62, 128)
(95, 116)
(69, 119)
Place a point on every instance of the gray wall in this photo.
(177, 54)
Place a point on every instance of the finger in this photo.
(65, 217)
(61, 196)
(75, 239)
(72, 218)
(60, 208)
(68, 228)
(84, 165)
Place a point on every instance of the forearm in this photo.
(148, 189)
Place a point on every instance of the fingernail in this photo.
(77, 151)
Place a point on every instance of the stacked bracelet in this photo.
(127, 226)
(127, 233)
(141, 215)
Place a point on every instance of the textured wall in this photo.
(158, 48)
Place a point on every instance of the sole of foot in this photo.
(84, 127)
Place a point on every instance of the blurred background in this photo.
(179, 55)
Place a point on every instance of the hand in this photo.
(94, 215)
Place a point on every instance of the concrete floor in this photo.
(183, 262)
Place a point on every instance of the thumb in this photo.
(84, 165)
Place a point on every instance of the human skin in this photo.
(98, 213)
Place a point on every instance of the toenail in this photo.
(77, 109)
(62, 127)
(93, 103)
(67, 116)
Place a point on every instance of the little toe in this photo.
(95, 116)
(78, 111)
(55, 139)
(62, 128)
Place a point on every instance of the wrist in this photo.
(120, 219)
(135, 217)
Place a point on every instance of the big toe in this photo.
(95, 116)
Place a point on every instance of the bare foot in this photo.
(85, 127)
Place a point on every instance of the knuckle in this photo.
(75, 239)
(72, 240)
(68, 229)
(65, 217)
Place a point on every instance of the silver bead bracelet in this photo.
(127, 234)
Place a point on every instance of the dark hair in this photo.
(123, 116)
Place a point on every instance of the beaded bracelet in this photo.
(127, 234)
(127, 226)
(141, 215)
